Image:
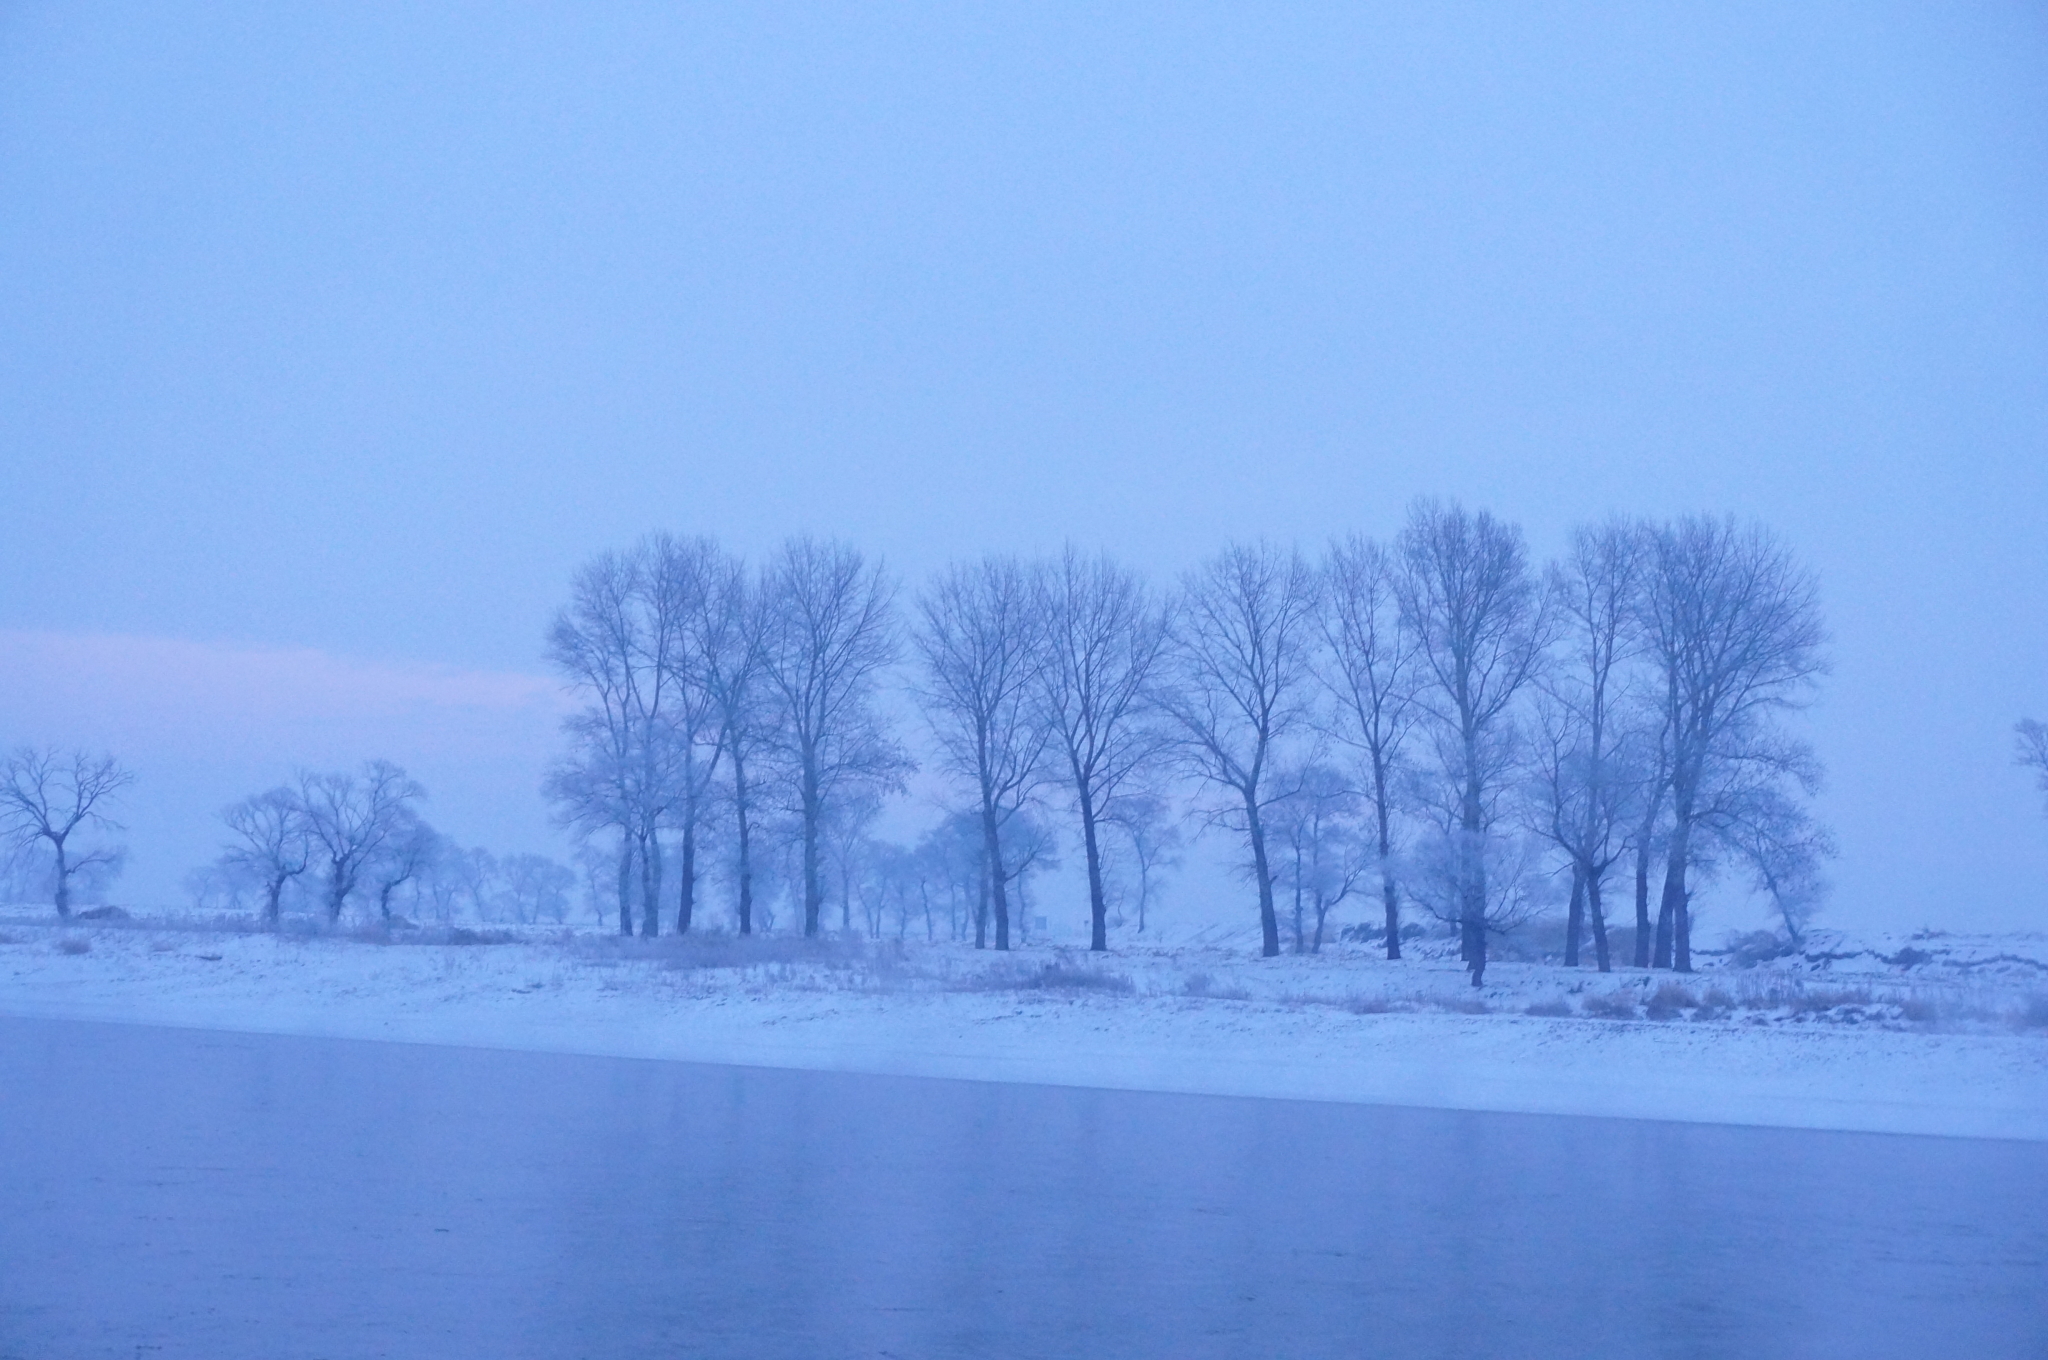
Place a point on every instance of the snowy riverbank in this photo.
(1942, 1035)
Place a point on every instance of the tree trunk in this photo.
(1098, 902)
(746, 866)
(1575, 916)
(1300, 936)
(981, 906)
(1472, 853)
(686, 907)
(814, 890)
(273, 890)
(650, 885)
(1599, 917)
(992, 851)
(625, 885)
(1642, 949)
(1681, 943)
(1269, 920)
(63, 895)
(1387, 892)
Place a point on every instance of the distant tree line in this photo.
(1435, 723)
(335, 838)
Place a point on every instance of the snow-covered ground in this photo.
(1933, 1034)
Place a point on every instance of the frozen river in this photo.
(170, 1193)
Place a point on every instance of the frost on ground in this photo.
(1931, 1033)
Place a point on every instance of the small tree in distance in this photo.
(274, 843)
(2032, 737)
(49, 796)
(353, 818)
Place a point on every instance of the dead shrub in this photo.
(2033, 1013)
(1919, 1010)
(5, 938)
(1828, 999)
(1610, 1006)
(72, 944)
(103, 914)
(1064, 977)
(1758, 946)
(1670, 1001)
(1369, 1005)
(1465, 1005)
(1202, 985)
(464, 935)
(1714, 1005)
(1554, 1009)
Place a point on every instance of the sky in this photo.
(334, 338)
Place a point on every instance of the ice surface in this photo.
(176, 1193)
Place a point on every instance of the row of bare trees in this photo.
(1433, 721)
(353, 832)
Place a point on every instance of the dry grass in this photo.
(1203, 985)
(72, 944)
(1669, 1002)
(701, 950)
(1553, 1009)
(1063, 976)
(1610, 1006)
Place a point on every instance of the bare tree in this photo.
(352, 818)
(1733, 626)
(1102, 639)
(1479, 624)
(2032, 739)
(1153, 834)
(1324, 857)
(980, 639)
(952, 853)
(728, 636)
(830, 633)
(48, 797)
(407, 853)
(686, 578)
(1776, 837)
(1368, 666)
(1240, 642)
(274, 843)
(537, 887)
(615, 643)
(1589, 770)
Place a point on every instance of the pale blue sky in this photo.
(352, 330)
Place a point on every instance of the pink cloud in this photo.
(174, 694)
(202, 724)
